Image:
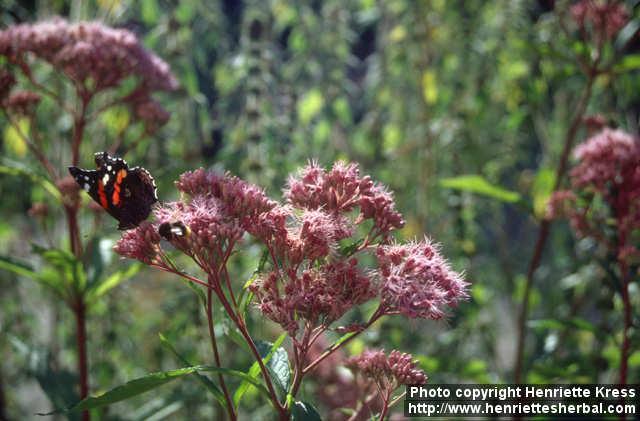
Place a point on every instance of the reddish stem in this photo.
(385, 407)
(545, 225)
(238, 321)
(335, 347)
(624, 351)
(214, 347)
(81, 340)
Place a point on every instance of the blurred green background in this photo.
(417, 92)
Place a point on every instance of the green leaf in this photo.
(280, 370)
(211, 387)
(266, 350)
(149, 382)
(18, 267)
(69, 267)
(429, 87)
(351, 247)
(197, 289)
(128, 390)
(246, 296)
(555, 324)
(310, 105)
(629, 62)
(17, 169)
(99, 289)
(149, 11)
(48, 278)
(541, 191)
(479, 185)
(13, 137)
(304, 411)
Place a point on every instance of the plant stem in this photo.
(335, 347)
(81, 341)
(71, 211)
(626, 302)
(545, 225)
(385, 408)
(238, 321)
(214, 347)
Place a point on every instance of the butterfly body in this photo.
(125, 193)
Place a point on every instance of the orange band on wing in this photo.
(116, 187)
(102, 195)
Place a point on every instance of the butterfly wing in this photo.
(88, 181)
(126, 194)
(132, 197)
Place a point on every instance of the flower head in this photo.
(605, 158)
(89, 53)
(318, 295)
(151, 113)
(142, 243)
(416, 280)
(605, 186)
(340, 190)
(22, 102)
(388, 372)
(603, 17)
(240, 198)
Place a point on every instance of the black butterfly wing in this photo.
(87, 180)
(137, 193)
(126, 194)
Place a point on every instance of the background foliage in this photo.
(417, 92)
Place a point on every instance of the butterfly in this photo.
(126, 194)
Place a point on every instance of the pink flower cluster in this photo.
(416, 280)
(342, 189)
(22, 102)
(142, 243)
(95, 57)
(603, 17)
(88, 50)
(608, 158)
(388, 372)
(239, 198)
(607, 172)
(310, 280)
(319, 295)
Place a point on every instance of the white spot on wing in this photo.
(105, 179)
(86, 187)
(109, 167)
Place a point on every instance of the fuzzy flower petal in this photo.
(416, 280)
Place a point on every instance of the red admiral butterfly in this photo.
(127, 194)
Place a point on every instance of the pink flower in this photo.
(604, 17)
(240, 198)
(151, 113)
(604, 158)
(320, 232)
(560, 204)
(416, 280)
(342, 189)
(388, 372)
(142, 243)
(318, 295)
(89, 53)
(209, 230)
(22, 102)
(605, 186)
